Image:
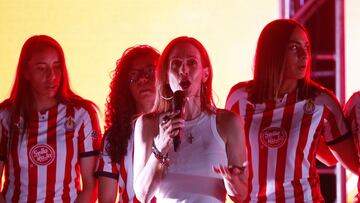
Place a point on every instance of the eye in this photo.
(192, 62)
(176, 63)
(133, 76)
(40, 67)
(57, 66)
(150, 72)
(293, 47)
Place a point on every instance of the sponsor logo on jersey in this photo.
(309, 106)
(70, 124)
(42, 154)
(273, 137)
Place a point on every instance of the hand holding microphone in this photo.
(178, 105)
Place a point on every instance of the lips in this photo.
(51, 86)
(185, 84)
(145, 90)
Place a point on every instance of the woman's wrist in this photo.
(162, 158)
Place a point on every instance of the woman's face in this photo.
(297, 55)
(186, 71)
(44, 72)
(142, 79)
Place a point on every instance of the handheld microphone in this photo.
(178, 105)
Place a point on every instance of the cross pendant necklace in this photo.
(190, 138)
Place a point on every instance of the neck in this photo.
(143, 107)
(44, 103)
(192, 107)
(287, 86)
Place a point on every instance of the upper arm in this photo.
(87, 169)
(89, 133)
(231, 129)
(334, 121)
(143, 135)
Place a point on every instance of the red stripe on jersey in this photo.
(248, 120)
(303, 136)
(32, 168)
(315, 189)
(96, 141)
(263, 151)
(123, 175)
(51, 168)
(81, 139)
(235, 108)
(69, 154)
(282, 152)
(15, 158)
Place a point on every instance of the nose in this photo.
(303, 54)
(51, 75)
(184, 70)
(143, 79)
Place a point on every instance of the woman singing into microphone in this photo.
(210, 162)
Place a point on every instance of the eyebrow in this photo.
(298, 42)
(190, 56)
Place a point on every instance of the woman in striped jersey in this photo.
(285, 114)
(49, 136)
(132, 92)
(209, 162)
(352, 115)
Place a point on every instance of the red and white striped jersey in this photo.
(352, 115)
(122, 171)
(282, 138)
(43, 162)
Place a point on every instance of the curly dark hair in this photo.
(120, 105)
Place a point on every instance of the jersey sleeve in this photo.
(89, 134)
(106, 167)
(236, 94)
(4, 134)
(335, 129)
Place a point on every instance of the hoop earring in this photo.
(166, 92)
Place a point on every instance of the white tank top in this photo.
(190, 176)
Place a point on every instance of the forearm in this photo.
(346, 153)
(147, 181)
(108, 189)
(88, 194)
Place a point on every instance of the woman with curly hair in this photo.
(132, 92)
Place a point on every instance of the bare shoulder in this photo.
(227, 123)
(225, 118)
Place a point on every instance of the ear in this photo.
(205, 74)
